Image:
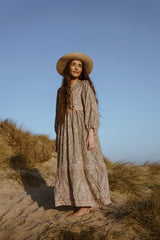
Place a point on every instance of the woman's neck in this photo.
(73, 80)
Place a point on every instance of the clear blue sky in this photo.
(123, 39)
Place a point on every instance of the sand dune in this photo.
(27, 176)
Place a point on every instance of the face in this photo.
(75, 68)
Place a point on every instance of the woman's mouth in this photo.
(75, 72)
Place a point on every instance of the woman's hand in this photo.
(90, 140)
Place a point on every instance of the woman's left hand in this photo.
(90, 141)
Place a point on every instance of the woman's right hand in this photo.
(90, 141)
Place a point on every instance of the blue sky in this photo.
(123, 39)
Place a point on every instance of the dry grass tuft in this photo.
(20, 148)
(126, 178)
(136, 219)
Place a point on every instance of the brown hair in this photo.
(65, 90)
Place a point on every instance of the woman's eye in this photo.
(74, 64)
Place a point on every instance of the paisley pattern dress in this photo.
(81, 178)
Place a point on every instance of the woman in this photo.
(81, 179)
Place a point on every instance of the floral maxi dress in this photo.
(81, 178)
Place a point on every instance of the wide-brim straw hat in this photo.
(62, 62)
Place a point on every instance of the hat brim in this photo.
(62, 62)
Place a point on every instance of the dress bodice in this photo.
(76, 101)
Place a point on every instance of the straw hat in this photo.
(87, 61)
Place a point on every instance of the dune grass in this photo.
(20, 148)
(21, 151)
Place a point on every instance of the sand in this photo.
(27, 210)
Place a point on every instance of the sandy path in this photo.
(25, 211)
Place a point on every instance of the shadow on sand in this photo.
(35, 185)
(33, 182)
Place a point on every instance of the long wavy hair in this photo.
(65, 90)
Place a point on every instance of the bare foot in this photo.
(83, 211)
(93, 209)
